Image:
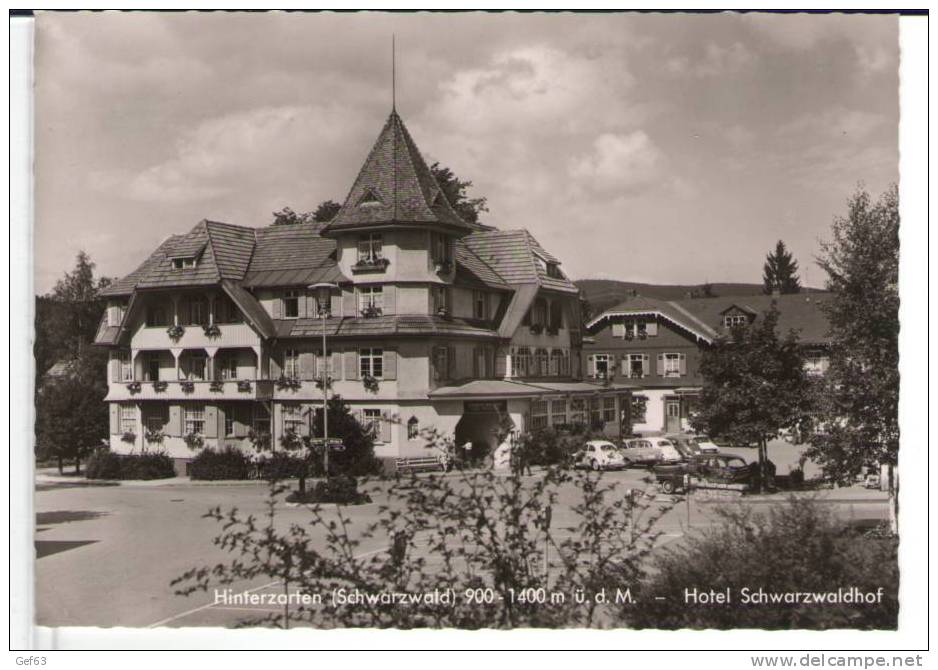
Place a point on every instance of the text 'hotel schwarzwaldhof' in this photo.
(433, 323)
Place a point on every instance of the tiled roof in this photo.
(291, 247)
(800, 312)
(232, 246)
(382, 326)
(511, 254)
(395, 185)
(473, 270)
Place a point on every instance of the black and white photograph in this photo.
(461, 321)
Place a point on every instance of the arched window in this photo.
(413, 428)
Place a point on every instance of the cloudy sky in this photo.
(662, 148)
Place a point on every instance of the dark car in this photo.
(723, 471)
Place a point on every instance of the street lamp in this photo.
(323, 299)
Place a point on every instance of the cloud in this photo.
(620, 164)
(716, 61)
(261, 147)
(836, 123)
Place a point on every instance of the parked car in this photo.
(599, 455)
(650, 451)
(727, 471)
(691, 445)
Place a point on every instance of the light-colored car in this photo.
(650, 451)
(599, 455)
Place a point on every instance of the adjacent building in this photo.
(652, 347)
(432, 322)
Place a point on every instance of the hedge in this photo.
(105, 464)
(230, 463)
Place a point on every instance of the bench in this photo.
(422, 464)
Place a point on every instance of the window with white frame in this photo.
(291, 363)
(226, 366)
(260, 418)
(371, 362)
(609, 409)
(183, 263)
(370, 299)
(292, 417)
(635, 365)
(126, 367)
(369, 247)
(128, 417)
(558, 412)
(192, 367)
(733, 320)
(440, 363)
(672, 365)
(601, 365)
(194, 416)
(520, 362)
(371, 421)
(291, 304)
(539, 410)
(480, 305)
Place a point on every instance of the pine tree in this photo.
(780, 272)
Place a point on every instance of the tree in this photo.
(326, 211)
(754, 386)
(705, 290)
(72, 313)
(71, 415)
(358, 457)
(456, 192)
(860, 424)
(780, 272)
(287, 217)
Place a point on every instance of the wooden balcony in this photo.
(194, 337)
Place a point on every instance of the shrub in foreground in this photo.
(342, 490)
(794, 548)
(105, 464)
(229, 463)
(281, 465)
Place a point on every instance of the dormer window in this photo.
(183, 263)
(369, 248)
(553, 270)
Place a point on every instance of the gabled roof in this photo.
(800, 312)
(511, 254)
(395, 186)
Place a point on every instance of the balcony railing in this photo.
(242, 389)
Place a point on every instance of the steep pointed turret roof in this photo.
(395, 186)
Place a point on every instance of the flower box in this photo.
(371, 265)
(536, 329)
(160, 386)
(175, 332)
(445, 267)
(288, 383)
(129, 437)
(370, 312)
(211, 331)
(244, 386)
(194, 440)
(216, 386)
(133, 387)
(370, 383)
(187, 386)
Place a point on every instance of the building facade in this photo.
(431, 323)
(653, 347)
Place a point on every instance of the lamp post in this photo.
(323, 297)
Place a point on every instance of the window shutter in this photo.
(336, 365)
(349, 308)
(335, 304)
(625, 366)
(174, 427)
(659, 369)
(114, 409)
(452, 373)
(301, 302)
(278, 307)
(683, 365)
(307, 365)
(591, 366)
(114, 365)
(618, 330)
(303, 430)
(390, 364)
(311, 310)
(389, 295)
(651, 328)
(385, 430)
(646, 367)
(501, 364)
(240, 428)
(211, 421)
(351, 364)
